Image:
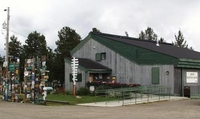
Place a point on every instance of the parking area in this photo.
(179, 109)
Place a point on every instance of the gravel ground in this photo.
(181, 109)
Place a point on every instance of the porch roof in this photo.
(91, 66)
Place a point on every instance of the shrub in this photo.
(99, 85)
(83, 91)
(102, 87)
(69, 92)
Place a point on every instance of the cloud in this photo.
(165, 17)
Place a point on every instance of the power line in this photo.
(18, 33)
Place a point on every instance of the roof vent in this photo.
(157, 43)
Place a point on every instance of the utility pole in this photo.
(7, 53)
(7, 35)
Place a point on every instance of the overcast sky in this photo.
(47, 17)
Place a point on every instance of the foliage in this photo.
(51, 64)
(15, 48)
(180, 40)
(161, 40)
(107, 85)
(58, 69)
(35, 45)
(1, 60)
(83, 91)
(149, 34)
(95, 30)
(126, 33)
(68, 39)
(59, 90)
(103, 87)
(69, 92)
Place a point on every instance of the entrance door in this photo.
(91, 78)
(177, 82)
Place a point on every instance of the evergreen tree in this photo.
(35, 45)
(15, 48)
(142, 36)
(149, 34)
(95, 30)
(161, 40)
(68, 39)
(1, 60)
(51, 64)
(180, 40)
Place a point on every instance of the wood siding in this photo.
(68, 84)
(125, 70)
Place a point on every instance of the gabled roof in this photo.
(164, 48)
(90, 65)
(144, 51)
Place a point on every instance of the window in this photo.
(100, 56)
(103, 55)
(155, 75)
(79, 77)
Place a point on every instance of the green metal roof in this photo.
(145, 52)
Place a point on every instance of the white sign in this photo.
(191, 77)
(92, 88)
(74, 65)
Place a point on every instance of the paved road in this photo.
(181, 109)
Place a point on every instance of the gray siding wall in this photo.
(194, 87)
(125, 70)
(68, 84)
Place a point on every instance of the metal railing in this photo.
(140, 94)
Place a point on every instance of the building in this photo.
(131, 60)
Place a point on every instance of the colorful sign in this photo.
(35, 79)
